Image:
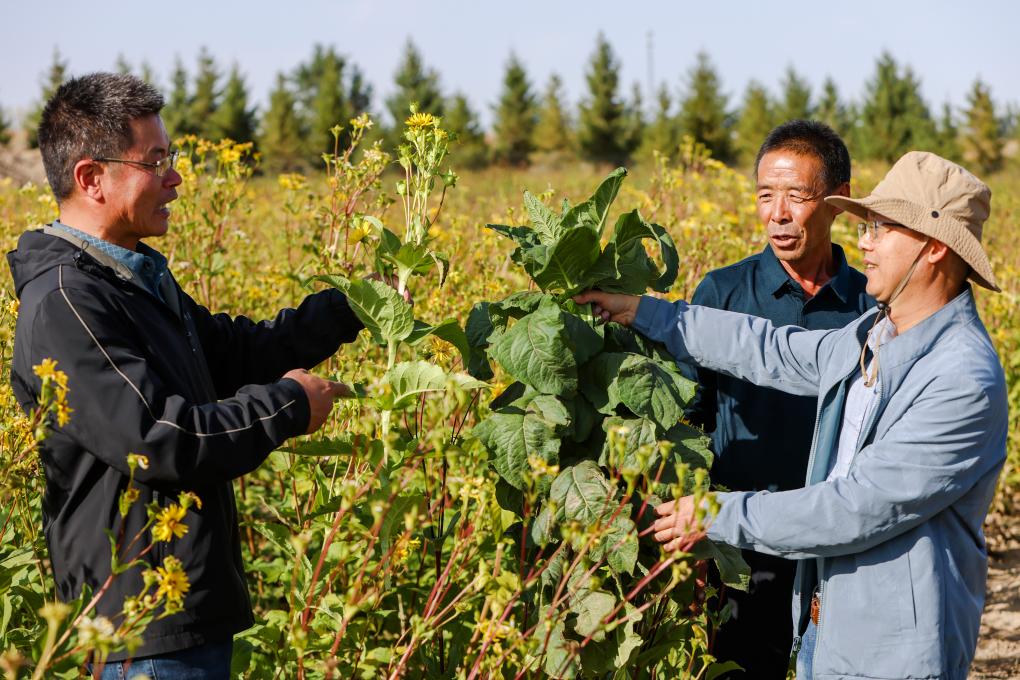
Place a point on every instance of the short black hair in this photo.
(811, 138)
(90, 117)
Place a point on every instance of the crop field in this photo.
(477, 510)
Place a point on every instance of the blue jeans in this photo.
(806, 653)
(208, 662)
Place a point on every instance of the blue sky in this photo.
(947, 43)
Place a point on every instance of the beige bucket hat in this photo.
(937, 198)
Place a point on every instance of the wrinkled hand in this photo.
(393, 282)
(611, 306)
(676, 526)
(321, 394)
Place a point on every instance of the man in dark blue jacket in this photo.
(762, 436)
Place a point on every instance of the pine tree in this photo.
(514, 123)
(55, 77)
(177, 113)
(703, 113)
(415, 84)
(469, 149)
(662, 133)
(981, 139)
(206, 97)
(755, 122)
(796, 101)
(894, 118)
(233, 119)
(634, 118)
(5, 129)
(280, 136)
(948, 134)
(552, 131)
(122, 65)
(147, 74)
(832, 111)
(330, 91)
(602, 128)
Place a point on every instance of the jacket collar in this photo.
(774, 277)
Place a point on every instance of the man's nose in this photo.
(172, 178)
(780, 210)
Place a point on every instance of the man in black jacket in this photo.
(204, 397)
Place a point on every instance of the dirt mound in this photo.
(998, 652)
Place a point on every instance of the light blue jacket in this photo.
(896, 547)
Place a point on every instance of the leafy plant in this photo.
(588, 436)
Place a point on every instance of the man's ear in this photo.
(88, 178)
(842, 190)
(938, 251)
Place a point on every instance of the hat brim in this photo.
(957, 236)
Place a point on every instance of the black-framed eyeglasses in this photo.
(873, 229)
(159, 168)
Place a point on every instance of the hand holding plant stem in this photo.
(615, 307)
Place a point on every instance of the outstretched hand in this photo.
(677, 526)
(321, 394)
(614, 307)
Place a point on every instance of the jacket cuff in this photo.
(301, 410)
(724, 528)
(656, 313)
(349, 323)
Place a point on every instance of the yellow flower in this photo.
(189, 498)
(173, 582)
(168, 524)
(47, 369)
(421, 120)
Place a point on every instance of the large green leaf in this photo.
(536, 351)
(568, 261)
(618, 545)
(583, 417)
(530, 426)
(584, 340)
(582, 493)
(605, 658)
(410, 378)
(598, 375)
(650, 389)
(625, 266)
(544, 221)
(590, 607)
(592, 213)
(386, 315)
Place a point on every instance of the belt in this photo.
(816, 609)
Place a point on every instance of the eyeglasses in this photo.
(873, 229)
(159, 168)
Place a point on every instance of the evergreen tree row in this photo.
(294, 128)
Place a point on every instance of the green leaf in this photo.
(408, 379)
(582, 493)
(593, 212)
(691, 445)
(618, 545)
(448, 330)
(598, 376)
(625, 266)
(733, 570)
(386, 315)
(477, 331)
(568, 261)
(582, 417)
(552, 641)
(536, 351)
(585, 341)
(590, 607)
(718, 668)
(530, 426)
(543, 220)
(651, 389)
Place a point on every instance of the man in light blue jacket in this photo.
(909, 440)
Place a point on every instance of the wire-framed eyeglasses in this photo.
(159, 168)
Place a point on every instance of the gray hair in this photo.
(90, 117)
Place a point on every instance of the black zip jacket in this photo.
(199, 394)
